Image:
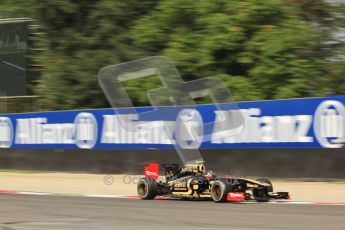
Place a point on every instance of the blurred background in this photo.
(51, 51)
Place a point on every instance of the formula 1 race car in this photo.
(193, 181)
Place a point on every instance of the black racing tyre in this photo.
(219, 191)
(147, 188)
(261, 194)
(267, 181)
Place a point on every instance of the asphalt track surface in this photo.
(51, 212)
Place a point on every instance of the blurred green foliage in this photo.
(265, 49)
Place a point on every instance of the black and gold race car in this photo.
(193, 181)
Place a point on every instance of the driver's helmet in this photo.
(209, 174)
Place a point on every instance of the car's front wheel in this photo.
(147, 188)
(266, 181)
(261, 194)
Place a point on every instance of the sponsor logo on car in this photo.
(235, 196)
(152, 171)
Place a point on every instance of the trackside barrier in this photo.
(281, 138)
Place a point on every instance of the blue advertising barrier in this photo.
(293, 123)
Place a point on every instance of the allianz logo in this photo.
(6, 132)
(125, 129)
(327, 124)
(83, 132)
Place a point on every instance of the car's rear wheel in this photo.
(147, 188)
(219, 191)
